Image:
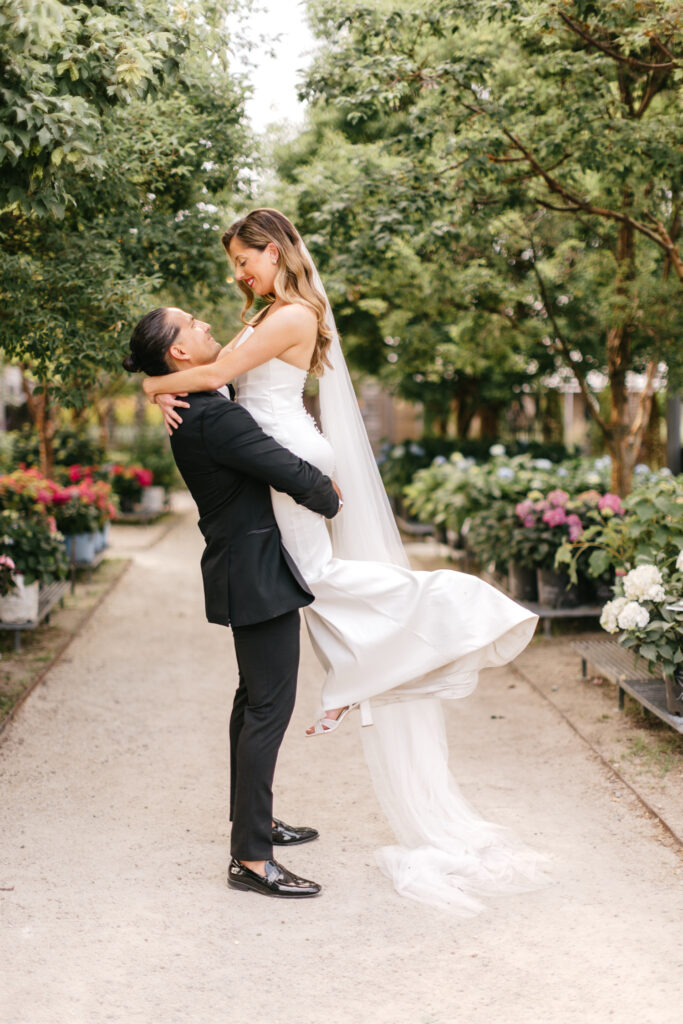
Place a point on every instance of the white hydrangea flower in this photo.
(608, 618)
(679, 561)
(633, 616)
(644, 583)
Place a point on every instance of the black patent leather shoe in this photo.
(278, 881)
(288, 835)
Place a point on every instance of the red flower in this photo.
(144, 476)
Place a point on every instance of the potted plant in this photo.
(500, 542)
(646, 526)
(36, 549)
(15, 606)
(548, 521)
(102, 498)
(151, 450)
(77, 517)
(647, 611)
(128, 483)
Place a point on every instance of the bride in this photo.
(391, 640)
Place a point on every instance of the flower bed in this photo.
(80, 509)
(452, 490)
(398, 463)
(556, 522)
(644, 547)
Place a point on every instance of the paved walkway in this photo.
(113, 852)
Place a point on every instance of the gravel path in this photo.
(113, 852)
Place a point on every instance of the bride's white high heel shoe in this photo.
(323, 725)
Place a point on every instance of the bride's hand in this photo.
(339, 494)
(168, 405)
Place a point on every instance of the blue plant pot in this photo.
(68, 544)
(83, 550)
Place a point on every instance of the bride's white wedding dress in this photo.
(389, 633)
(377, 627)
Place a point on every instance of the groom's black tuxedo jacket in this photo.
(228, 463)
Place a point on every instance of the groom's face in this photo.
(194, 345)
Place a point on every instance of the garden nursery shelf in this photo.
(49, 597)
(545, 613)
(616, 664)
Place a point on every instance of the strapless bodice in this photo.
(273, 394)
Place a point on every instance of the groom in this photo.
(250, 582)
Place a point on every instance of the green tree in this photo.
(137, 226)
(64, 65)
(521, 162)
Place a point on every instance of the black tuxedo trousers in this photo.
(268, 661)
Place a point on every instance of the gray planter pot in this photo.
(522, 582)
(553, 589)
(83, 548)
(21, 604)
(674, 692)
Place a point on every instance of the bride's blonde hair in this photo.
(294, 277)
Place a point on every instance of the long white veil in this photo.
(447, 854)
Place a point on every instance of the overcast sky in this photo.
(274, 80)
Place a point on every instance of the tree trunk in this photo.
(650, 450)
(464, 415)
(42, 415)
(489, 416)
(620, 440)
(104, 411)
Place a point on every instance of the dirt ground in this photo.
(113, 844)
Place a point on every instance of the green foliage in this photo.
(651, 529)
(648, 609)
(492, 191)
(496, 537)
(71, 448)
(398, 463)
(450, 492)
(35, 549)
(125, 214)
(64, 65)
(152, 450)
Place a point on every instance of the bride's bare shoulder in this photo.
(295, 315)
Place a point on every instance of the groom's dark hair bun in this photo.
(150, 341)
(131, 364)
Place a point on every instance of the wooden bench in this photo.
(617, 664)
(48, 597)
